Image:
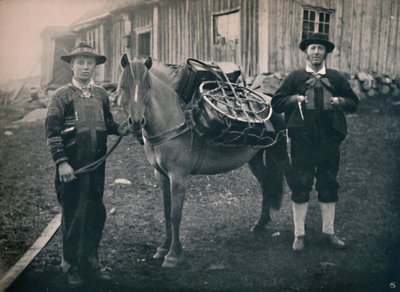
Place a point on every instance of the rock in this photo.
(385, 89)
(122, 181)
(364, 76)
(367, 84)
(216, 267)
(276, 234)
(33, 116)
(328, 264)
(387, 80)
(279, 75)
(371, 92)
(8, 133)
(356, 86)
(270, 84)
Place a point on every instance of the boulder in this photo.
(357, 88)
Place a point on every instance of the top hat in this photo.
(317, 38)
(83, 49)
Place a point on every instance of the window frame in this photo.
(215, 40)
(317, 21)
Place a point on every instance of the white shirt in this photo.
(322, 71)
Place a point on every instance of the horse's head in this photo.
(134, 86)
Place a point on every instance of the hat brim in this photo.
(328, 45)
(100, 59)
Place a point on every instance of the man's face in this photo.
(315, 54)
(83, 67)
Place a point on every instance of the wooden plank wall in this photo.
(366, 34)
(186, 30)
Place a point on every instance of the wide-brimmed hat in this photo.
(317, 38)
(84, 49)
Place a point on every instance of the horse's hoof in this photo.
(170, 262)
(161, 253)
(258, 228)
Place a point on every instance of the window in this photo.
(91, 38)
(315, 20)
(226, 28)
(144, 43)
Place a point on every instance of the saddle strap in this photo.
(167, 135)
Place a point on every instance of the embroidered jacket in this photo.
(61, 117)
(300, 81)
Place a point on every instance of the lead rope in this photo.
(95, 164)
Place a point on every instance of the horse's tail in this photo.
(274, 181)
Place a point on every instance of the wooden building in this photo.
(258, 35)
(56, 41)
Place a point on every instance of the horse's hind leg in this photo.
(163, 180)
(271, 183)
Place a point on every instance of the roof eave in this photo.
(89, 22)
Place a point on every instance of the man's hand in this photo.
(66, 172)
(335, 101)
(301, 98)
(123, 129)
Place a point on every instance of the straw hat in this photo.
(83, 49)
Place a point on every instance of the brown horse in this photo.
(176, 151)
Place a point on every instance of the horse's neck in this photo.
(164, 112)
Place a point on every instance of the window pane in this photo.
(327, 28)
(320, 27)
(321, 17)
(312, 15)
(327, 17)
(311, 26)
(305, 14)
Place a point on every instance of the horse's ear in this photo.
(148, 62)
(124, 61)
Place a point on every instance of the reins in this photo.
(95, 164)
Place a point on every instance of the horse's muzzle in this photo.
(136, 126)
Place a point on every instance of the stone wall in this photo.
(364, 84)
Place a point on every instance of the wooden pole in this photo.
(28, 257)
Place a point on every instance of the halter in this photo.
(166, 135)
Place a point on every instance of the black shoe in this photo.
(334, 241)
(74, 278)
(98, 274)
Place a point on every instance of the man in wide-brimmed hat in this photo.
(313, 100)
(77, 125)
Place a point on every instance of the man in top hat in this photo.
(77, 125)
(313, 100)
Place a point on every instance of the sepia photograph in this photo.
(200, 145)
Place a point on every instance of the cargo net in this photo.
(231, 114)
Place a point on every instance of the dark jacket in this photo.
(61, 116)
(285, 100)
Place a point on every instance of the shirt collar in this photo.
(77, 85)
(322, 71)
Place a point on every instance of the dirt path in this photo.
(219, 210)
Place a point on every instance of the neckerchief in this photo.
(85, 91)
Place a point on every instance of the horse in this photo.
(177, 151)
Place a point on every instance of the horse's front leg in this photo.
(175, 254)
(163, 180)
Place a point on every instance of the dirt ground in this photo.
(221, 253)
